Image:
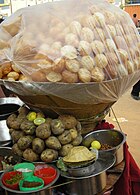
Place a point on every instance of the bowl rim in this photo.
(103, 130)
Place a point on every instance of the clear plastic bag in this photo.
(85, 52)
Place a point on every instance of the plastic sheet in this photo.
(85, 52)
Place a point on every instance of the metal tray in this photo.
(7, 151)
(102, 164)
(29, 192)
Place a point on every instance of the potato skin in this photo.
(38, 145)
(65, 137)
(24, 142)
(28, 127)
(77, 140)
(53, 143)
(10, 119)
(49, 155)
(57, 127)
(43, 131)
(30, 155)
(65, 149)
(16, 150)
(16, 135)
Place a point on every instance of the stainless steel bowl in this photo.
(8, 106)
(83, 171)
(112, 137)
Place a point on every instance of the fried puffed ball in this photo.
(99, 17)
(87, 62)
(89, 21)
(72, 39)
(22, 78)
(122, 70)
(84, 48)
(97, 47)
(54, 76)
(99, 34)
(84, 75)
(112, 58)
(110, 71)
(87, 34)
(119, 30)
(56, 45)
(120, 42)
(69, 77)
(6, 68)
(15, 68)
(97, 74)
(130, 67)
(69, 52)
(123, 55)
(72, 65)
(75, 27)
(13, 75)
(101, 60)
(111, 30)
(38, 76)
(59, 65)
(110, 44)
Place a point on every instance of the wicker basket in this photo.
(52, 106)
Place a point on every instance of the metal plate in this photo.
(33, 191)
(103, 163)
(7, 151)
(4, 132)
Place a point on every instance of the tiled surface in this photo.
(129, 110)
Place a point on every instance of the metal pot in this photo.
(93, 183)
(90, 186)
(112, 137)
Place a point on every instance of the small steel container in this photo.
(112, 137)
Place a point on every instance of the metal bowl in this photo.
(9, 106)
(82, 171)
(112, 137)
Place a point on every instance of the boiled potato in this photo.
(16, 150)
(57, 127)
(77, 140)
(53, 143)
(16, 135)
(10, 119)
(65, 137)
(24, 142)
(49, 155)
(30, 155)
(38, 145)
(65, 149)
(43, 131)
(28, 127)
(73, 133)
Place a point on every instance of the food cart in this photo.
(75, 64)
